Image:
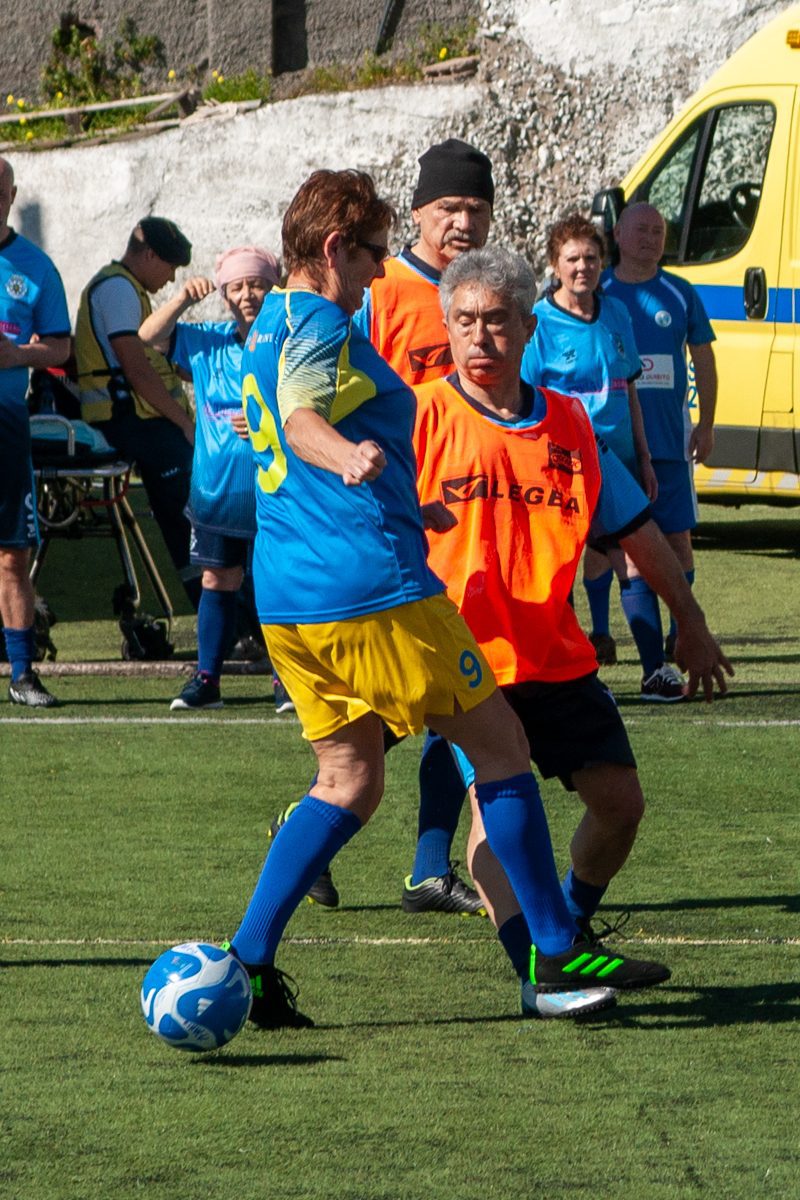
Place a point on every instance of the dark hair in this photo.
(573, 228)
(327, 201)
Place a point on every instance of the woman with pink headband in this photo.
(221, 504)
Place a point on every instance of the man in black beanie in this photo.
(451, 208)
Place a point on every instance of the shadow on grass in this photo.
(770, 538)
(706, 1007)
(785, 903)
(264, 1060)
(698, 706)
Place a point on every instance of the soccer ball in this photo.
(196, 996)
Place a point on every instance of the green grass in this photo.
(127, 834)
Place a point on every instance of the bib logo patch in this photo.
(17, 286)
(663, 319)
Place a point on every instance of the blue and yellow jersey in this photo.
(222, 495)
(325, 551)
(593, 360)
(667, 314)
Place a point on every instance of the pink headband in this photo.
(245, 262)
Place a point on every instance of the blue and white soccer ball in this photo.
(196, 996)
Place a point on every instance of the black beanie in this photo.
(166, 240)
(453, 168)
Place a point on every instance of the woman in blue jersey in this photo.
(584, 346)
(222, 495)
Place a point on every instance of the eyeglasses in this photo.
(379, 253)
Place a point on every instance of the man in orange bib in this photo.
(522, 472)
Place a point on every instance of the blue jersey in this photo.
(325, 551)
(667, 313)
(222, 494)
(32, 301)
(593, 360)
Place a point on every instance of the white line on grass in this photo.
(287, 719)
(356, 940)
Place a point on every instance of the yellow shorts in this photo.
(402, 663)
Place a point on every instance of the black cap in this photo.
(453, 168)
(166, 240)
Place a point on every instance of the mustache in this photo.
(455, 236)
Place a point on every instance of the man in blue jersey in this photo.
(34, 332)
(668, 318)
(356, 623)
(221, 504)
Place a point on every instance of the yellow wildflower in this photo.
(443, 53)
(9, 99)
(170, 74)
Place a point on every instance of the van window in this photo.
(708, 188)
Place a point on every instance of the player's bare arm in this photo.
(156, 329)
(314, 440)
(437, 517)
(701, 442)
(145, 380)
(41, 352)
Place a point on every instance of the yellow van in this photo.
(725, 174)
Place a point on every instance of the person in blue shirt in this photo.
(357, 623)
(668, 319)
(34, 332)
(584, 346)
(221, 505)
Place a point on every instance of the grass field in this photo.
(125, 830)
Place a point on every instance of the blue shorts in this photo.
(675, 509)
(569, 726)
(19, 527)
(210, 549)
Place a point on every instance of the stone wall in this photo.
(268, 35)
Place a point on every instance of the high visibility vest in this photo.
(98, 381)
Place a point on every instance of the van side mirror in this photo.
(607, 207)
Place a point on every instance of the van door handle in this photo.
(755, 293)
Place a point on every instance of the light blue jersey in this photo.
(32, 301)
(667, 314)
(325, 551)
(222, 496)
(593, 360)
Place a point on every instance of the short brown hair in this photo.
(573, 228)
(330, 200)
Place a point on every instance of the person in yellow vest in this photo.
(130, 392)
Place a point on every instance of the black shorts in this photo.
(570, 726)
(211, 549)
(19, 528)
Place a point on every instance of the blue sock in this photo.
(517, 833)
(583, 899)
(598, 593)
(19, 649)
(216, 624)
(441, 798)
(673, 627)
(303, 846)
(516, 941)
(640, 605)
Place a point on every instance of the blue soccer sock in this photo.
(598, 593)
(303, 846)
(517, 833)
(583, 899)
(515, 939)
(441, 798)
(216, 624)
(673, 626)
(640, 605)
(19, 649)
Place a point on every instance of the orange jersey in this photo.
(406, 325)
(524, 496)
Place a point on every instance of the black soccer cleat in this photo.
(274, 997)
(323, 889)
(442, 893)
(30, 691)
(591, 963)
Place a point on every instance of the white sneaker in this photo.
(665, 685)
